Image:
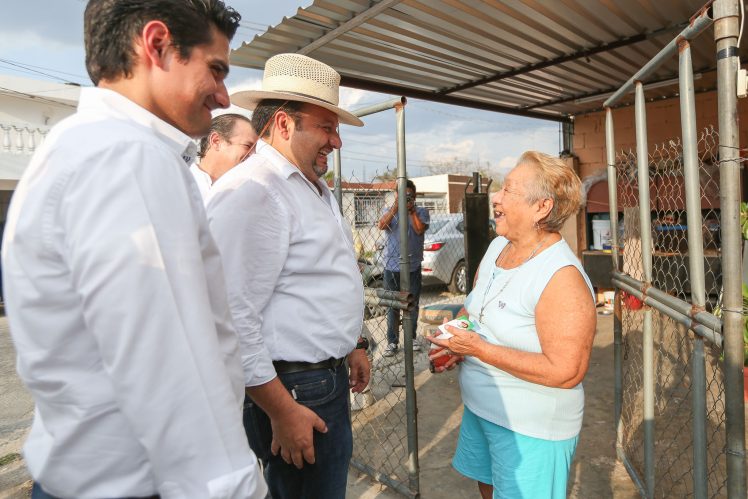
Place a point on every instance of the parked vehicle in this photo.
(444, 252)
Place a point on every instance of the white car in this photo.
(444, 252)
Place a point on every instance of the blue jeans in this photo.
(392, 283)
(325, 391)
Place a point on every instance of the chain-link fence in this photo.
(673, 342)
(379, 414)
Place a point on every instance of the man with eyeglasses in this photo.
(295, 290)
(230, 141)
(418, 222)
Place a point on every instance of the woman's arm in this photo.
(565, 319)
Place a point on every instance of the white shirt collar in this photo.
(285, 167)
(119, 106)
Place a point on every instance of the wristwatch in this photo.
(363, 342)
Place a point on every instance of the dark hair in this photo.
(410, 185)
(110, 26)
(267, 108)
(224, 126)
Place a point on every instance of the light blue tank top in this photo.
(509, 320)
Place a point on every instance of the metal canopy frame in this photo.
(519, 57)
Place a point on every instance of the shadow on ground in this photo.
(595, 473)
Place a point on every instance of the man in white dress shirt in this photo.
(295, 290)
(230, 141)
(114, 287)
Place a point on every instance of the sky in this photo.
(43, 39)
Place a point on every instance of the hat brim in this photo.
(248, 99)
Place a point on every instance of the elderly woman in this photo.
(534, 317)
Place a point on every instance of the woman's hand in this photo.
(460, 344)
(464, 342)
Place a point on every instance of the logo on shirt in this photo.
(501, 304)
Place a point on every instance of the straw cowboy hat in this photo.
(296, 77)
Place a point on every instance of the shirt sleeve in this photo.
(251, 228)
(130, 236)
(424, 215)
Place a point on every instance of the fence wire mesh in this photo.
(673, 342)
(379, 415)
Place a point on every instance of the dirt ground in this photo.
(595, 472)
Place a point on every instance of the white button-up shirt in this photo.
(117, 307)
(295, 291)
(203, 181)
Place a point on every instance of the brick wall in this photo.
(663, 123)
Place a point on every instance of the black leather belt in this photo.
(288, 367)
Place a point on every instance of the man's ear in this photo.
(214, 140)
(283, 124)
(155, 41)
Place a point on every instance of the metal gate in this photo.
(679, 317)
(385, 432)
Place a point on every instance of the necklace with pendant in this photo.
(485, 303)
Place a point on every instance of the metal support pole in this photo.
(383, 106)
(695, 263)
(610, 152)
(702, 331)
(618, 367)
(694, 28)
(704, 324)
(408, 326)
(648, 381)
(336, 172)
(725, 35)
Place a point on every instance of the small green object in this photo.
(469, 322)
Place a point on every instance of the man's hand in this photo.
(358, 363)
(293, 434)
(293, 424)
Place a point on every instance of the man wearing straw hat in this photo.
(115, 291)
(295, 291)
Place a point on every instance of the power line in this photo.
(31, 70)
(35, 97)
(26, 64)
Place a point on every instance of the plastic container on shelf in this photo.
(600, 234)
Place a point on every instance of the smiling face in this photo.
(513, 214)
(314, 138)
(241, 142)
(187, 90)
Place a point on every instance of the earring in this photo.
(536, 226)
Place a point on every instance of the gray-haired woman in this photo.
(534, 319)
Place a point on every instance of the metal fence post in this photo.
(642, 160)
(337, 176)
(725, 35)
(385, 299)
(610, 147)
(696, 263)
(402, 213)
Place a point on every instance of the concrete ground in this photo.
(595, 472)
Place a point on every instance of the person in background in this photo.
(522, 365)
(114, 289)
(418, 223)
(294, 286)
(230, 141)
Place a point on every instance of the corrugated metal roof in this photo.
(529, 57)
